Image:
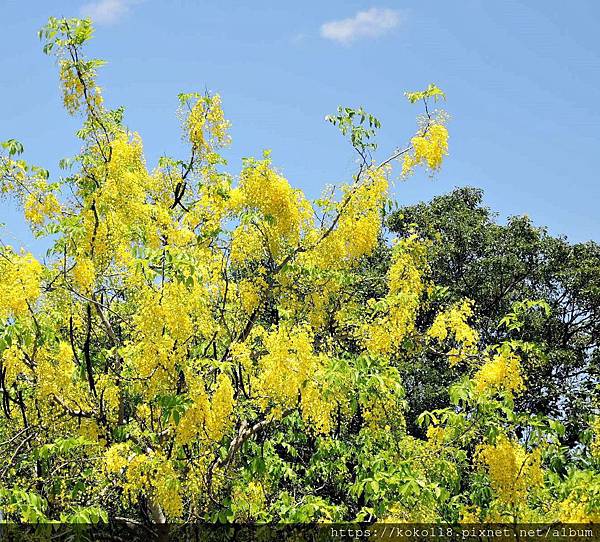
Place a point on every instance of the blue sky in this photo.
(522, 80)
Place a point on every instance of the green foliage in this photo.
(361, 126)
(65, 33)
(432, 91)
(12, 146)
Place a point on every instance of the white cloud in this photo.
(106, 11)
(372, 23)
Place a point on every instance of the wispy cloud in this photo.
(298, 38)
(107, 11)
(371, 23)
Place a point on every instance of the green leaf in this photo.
(12, 146)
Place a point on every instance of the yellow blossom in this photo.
(12, 362)
(84, 274)
(429, 148)
(513, 471)
(500, 373)
(20, 285)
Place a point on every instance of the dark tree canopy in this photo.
(496, 265)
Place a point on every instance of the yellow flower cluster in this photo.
(206, 418)
(162, 318)
(240, 353)
(436, 436)
(21, 282)
(151, 359)
(167, 488)
(40, 207)
(357, 229)
(318, 302)
(576, 508)
(513, 472)
(73, 87)
(123, 201)
(109, 391)
(56, 377)
(248, 500)
(192, 424)
(500, 373)
(221, 407)
(289, 363)
(90, 431)
(211, 204)
(406, 286)
(206, 126)
(247, 245)
(12, 362)
(151, 474)
(165, 320)
(316, 408)
(283, 211)
(84, 274)
(428, 149)
(116, 457)
(250, 292)
(453, 323)
(382, 412)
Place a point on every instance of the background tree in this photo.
(473, 256)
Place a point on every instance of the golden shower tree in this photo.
(198, 346)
